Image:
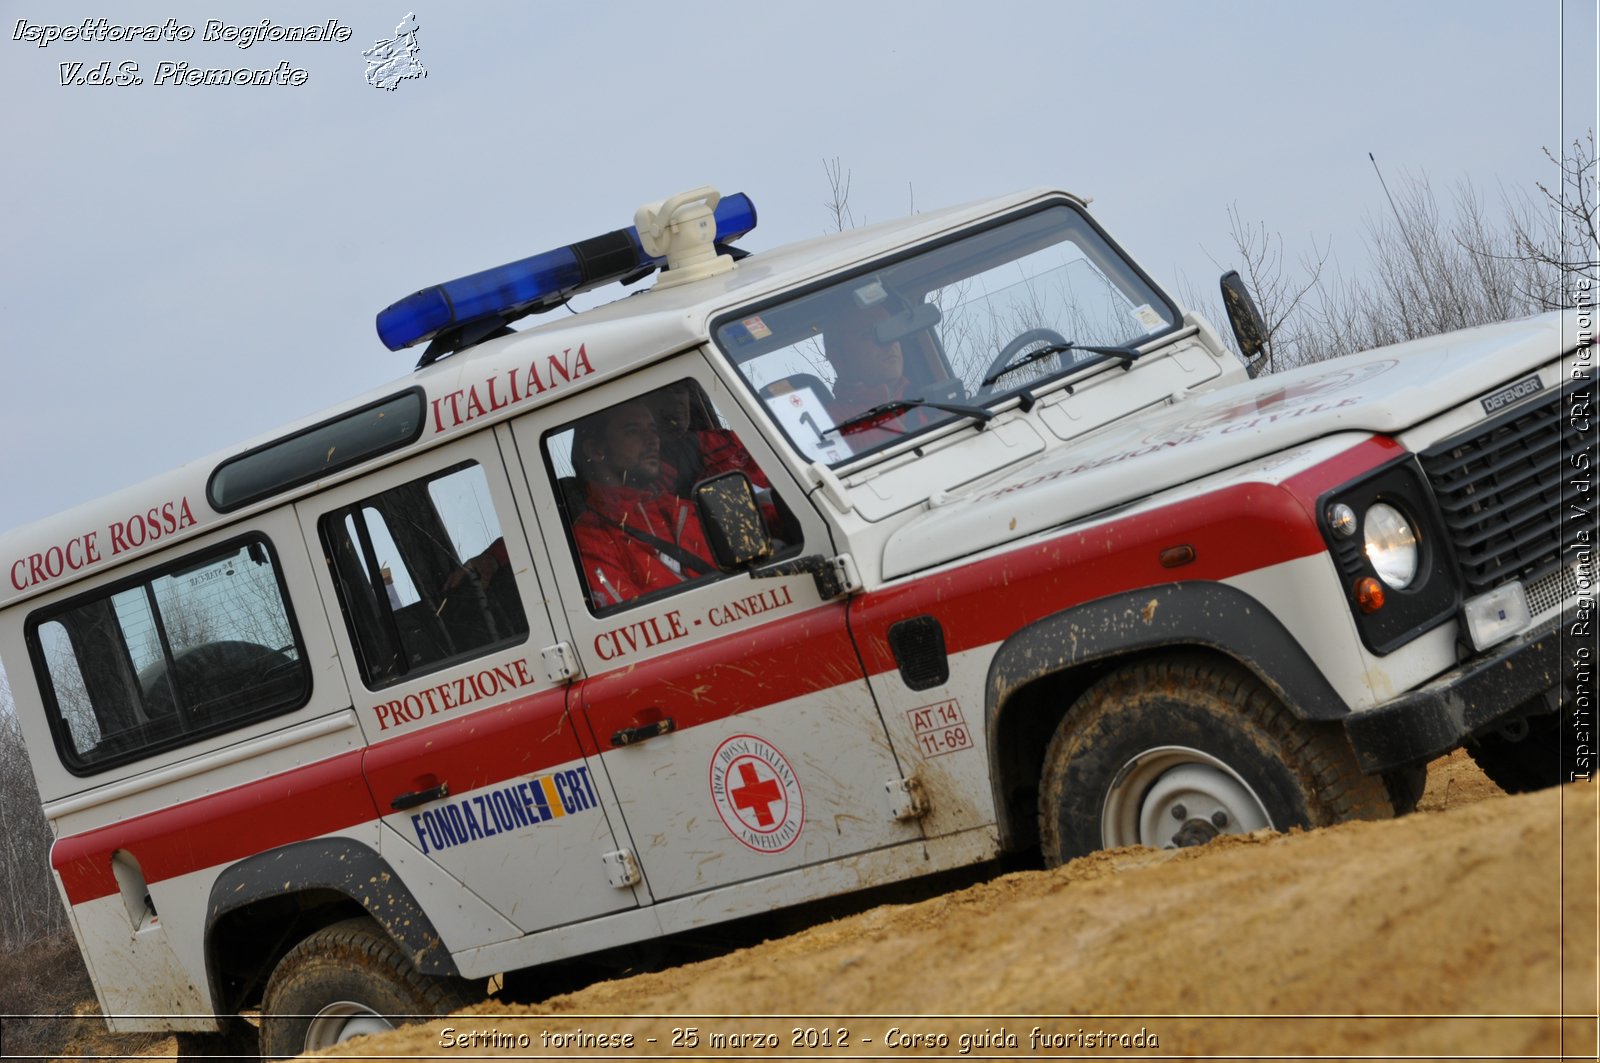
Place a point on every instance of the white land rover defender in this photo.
(802, 571)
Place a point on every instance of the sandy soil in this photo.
(1467, 929)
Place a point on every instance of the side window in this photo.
(624, 478)
(196, 649)
(423, 575)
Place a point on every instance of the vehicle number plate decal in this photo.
(940, 728)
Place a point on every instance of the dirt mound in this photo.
(1467, 929)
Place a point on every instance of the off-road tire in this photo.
(350, 961)
(1303, 774)
(1521, 766)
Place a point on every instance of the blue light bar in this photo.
(534, 285)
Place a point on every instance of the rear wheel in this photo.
(1174, 752)
(346, 980)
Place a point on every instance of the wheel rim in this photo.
(342, 1020)
(1174, 796)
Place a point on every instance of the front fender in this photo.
(1082, 640)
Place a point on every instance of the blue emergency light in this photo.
(467, 310)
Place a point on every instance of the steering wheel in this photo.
(1015, 347)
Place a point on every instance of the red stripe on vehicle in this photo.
(788, 658)
(515, 738)
(1233, 530)
(1342, 468)
(219, 828)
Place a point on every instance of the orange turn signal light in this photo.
(1369, 594)
(1177, 556)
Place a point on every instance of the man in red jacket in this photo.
(870, 373)
(633, 537)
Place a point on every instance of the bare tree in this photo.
(1431, 268)
(30, 909)
(1556, 238)
(838, 202)
(1281, 296)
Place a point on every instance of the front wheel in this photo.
(1174, 752)
(346, 980)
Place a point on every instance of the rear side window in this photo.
(317, 452)
(423, 575)
(197, 648)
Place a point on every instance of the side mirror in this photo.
(1249, 327)
(732, 521)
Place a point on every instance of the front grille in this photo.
(1500, 486)
(1553, 588)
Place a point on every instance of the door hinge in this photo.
(906, 799)
(848, 575)
(561, 663)
(622, 870)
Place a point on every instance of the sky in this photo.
(184, 268)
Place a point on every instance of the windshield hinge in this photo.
(835, 577)
(832, 486)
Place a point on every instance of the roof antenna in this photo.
(1405, 233)
(1385, 185)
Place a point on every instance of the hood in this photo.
(1385, 390)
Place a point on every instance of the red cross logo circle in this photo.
(757, 794)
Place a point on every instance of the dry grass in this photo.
(48, 1004)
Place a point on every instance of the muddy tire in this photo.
(345, 980)
(1525, 760)
(1174, 752)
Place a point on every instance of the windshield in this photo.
(923, 340)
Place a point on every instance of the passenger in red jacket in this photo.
(633, 536)
(694, 446)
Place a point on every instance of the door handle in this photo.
(631, 735)
(402, 802)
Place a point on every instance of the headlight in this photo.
(1391, 545)
(1385, 539)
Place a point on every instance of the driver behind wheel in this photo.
(870, 372)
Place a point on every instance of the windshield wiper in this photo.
(1127, 354)
(883, 411)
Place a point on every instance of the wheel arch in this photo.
(1041, 670)
(262, 906)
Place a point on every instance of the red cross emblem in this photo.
(757, 793)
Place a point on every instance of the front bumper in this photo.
(1434, 719)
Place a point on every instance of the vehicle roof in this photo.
(615, 338)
